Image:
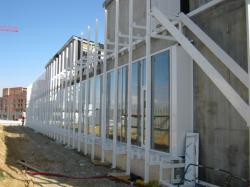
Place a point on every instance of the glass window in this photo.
(98, 108)
(83, 104)
(71, 107)
(122, 104)
(160, 102)
(77, 87)
(110, 104)
(138, 105)
(90, 106)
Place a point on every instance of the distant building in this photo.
(13, 103)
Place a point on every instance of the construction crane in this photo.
(8, 28)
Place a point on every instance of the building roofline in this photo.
(106, 3)
(16, 87)
(72, 38)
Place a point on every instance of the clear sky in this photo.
(44, 26)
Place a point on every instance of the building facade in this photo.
(167, 97)
(13, 103)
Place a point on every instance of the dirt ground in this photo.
(21, 143)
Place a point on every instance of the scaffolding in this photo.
(59, 99)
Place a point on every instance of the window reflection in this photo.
(83, 104)
(138, 103)
(160, 102)
(77, 91)
(98, 105)
(110, 104)
(122, 104)
(90, 106)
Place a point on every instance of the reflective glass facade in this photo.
(160, 102)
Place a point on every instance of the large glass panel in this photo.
(110, 104)
(83, 104)
(122, 104)
(77, 90)
(90, 107)
(161, 102)
(71, 107)
(138, 103)
(98, 107)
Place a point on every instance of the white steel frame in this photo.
(59, 95)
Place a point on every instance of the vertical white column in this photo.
(45, 100)
(62, 96)
(53, 103)
(248, 53)
(66, 97)
(74, 89)
(49, 99)
(70, 93)
(130, 59)
(104, 91)
(116, 82)
(55, 98)
(148, 92)
(59, 99)
(80, 97)
(87, 97)
(94, 92)
(52, 100)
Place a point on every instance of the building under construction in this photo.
(166, 97)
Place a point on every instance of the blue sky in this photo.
(44, 26)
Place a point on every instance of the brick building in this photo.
(13, 103)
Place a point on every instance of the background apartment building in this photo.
(13, 103)
(173, 72)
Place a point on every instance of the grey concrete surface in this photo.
(224, 136)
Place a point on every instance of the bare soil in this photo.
(21, 143)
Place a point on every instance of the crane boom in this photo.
(9, 29)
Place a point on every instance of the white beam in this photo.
(70, 92)
(117, 15)
(94, 91)
(231, 95)
(216, 50)
(103, 134)
(130, 59)
(75, 53)
(80, 104)
(148, 93)
(86, 124)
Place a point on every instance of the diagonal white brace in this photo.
(216, 50)
(232, 96)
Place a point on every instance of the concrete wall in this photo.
(224, 136)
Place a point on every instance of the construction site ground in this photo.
(21, 143)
